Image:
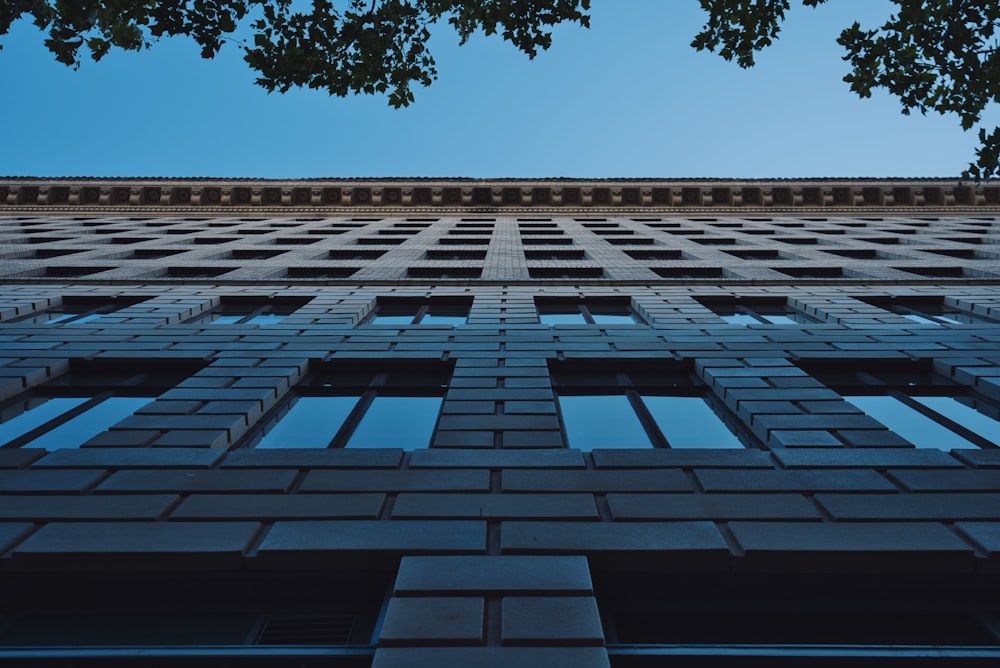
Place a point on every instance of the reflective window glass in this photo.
(688, 422)
(29, 414)
(311, 422)
(76, 431)
(909, 423)
(965, 415)
(602, 421)
(397, 422)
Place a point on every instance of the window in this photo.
(927, 311)
(389, 311)
(297, 618)
(775, 311)
(352, 406)
(923, 407)
(71, 409)
(590, 312)
(650, 404)
(252, 311)
(74, 311)
(836, 620)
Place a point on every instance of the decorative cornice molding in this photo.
(491, 196)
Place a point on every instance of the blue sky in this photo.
(627, 98)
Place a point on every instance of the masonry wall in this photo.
(494, 535)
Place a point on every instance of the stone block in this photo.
(314, 458)
(799, 480)
(662, 546)
(721, 507)
(551, 620)
(56, 481)
(560, 459)
(279, 507)
(333, 543)
(875, 458)
(945, 506)
(429, 621)
(54, 507)
(198, 481)
(493, 575)
(495, 506)
(949, 480)
(118, 546)
(647, 458)
(397, 481)
(130, 458)
(492, 657)
(861, 546)
(665, 480)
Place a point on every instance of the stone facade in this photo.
(515, 529)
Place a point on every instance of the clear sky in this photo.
(627, 98)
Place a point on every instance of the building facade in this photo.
(499, 423)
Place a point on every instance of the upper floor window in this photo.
(253, 311)
(927, 311)
(359, 406)
(397, 312)
(73, 311)
(71, 409)
(586, 312)
(756, 311)
(923, 407)
(642, 405)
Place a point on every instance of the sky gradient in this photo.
(627, 98)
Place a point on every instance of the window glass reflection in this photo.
(311, 422)
(76, 431)
(965, 415)
(602, 421)
(397, 422)
(909, 423)
(32, 413)
(688, 422)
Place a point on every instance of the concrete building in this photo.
(426, 422)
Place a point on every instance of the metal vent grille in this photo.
(307, 629)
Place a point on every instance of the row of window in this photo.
(551, 311)
(315, 618)
(599, 407)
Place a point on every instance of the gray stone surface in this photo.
(861, 546)
(491, 575)
(429, 621)
(136, 545)
(495, 506)
(326, 544)
(551, 620)
(492, 657)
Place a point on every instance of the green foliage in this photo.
(933, 55)
(346, 47)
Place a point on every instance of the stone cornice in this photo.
(221, 196)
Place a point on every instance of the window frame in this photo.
(365, 382)
(678, 381)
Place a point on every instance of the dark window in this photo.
(648, 404)
(77, 311)
(306, 619)
(73, 408)
(912, 400)
(927, 311)
(248, 312)
(832, 620)
(419, 312)
(774, 311)
(589, 312)
(340, 405)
